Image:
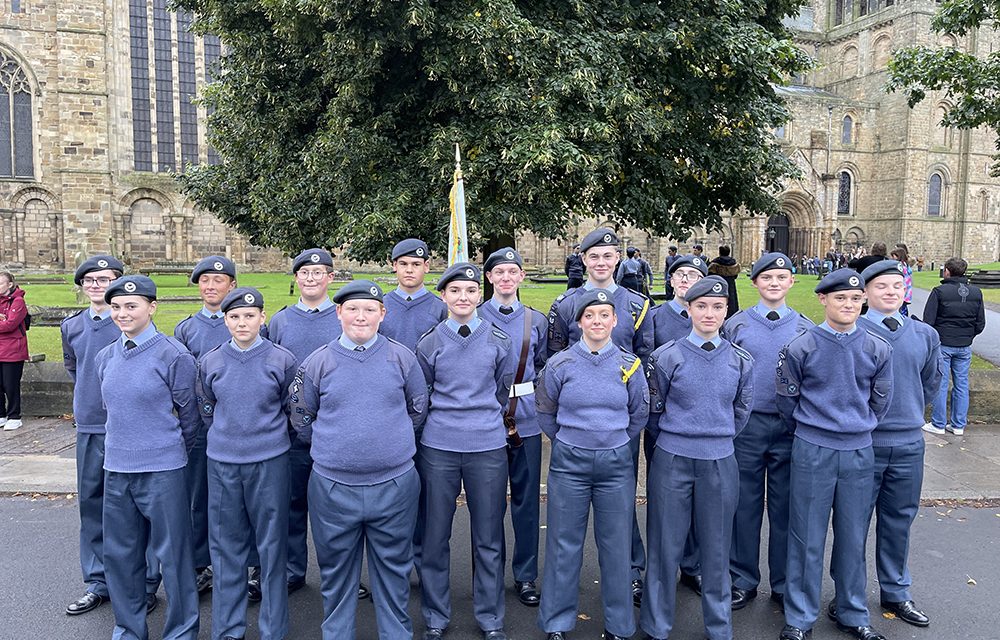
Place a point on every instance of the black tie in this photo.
(214, 317)
(892, 323)
(506, 310)
(684, 313)
(773, 316)
(314, 311)
(130, 345)
(409, 298)
(97, 318)
(708, 346)
(359, 348)
(464, 331)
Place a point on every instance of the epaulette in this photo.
(741, 352)
(499, 333)
(72, 316)
(627, 356)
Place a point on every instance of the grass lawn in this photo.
(275, 287)
(930, 279)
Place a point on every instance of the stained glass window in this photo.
(844, 195)
(934, 188)
(17, 158)
(186, 85)
(142, 137)
(166, 159)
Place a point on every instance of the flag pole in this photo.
(458, 241)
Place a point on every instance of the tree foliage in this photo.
(337, 119)
(970, 83)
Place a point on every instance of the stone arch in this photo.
(942, 135)
(144, 228)
(854, 238)
(881, 51)
(805, 224)
(40, 231)
(948, 40)
(847, 189)
(849, 64)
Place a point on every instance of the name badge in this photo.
(523, 389)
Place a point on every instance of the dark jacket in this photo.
(574, 266)
(13, 339)
(955, 309)
(864, 262)
(728, 268)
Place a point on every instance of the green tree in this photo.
(969, 82)
(337, 119)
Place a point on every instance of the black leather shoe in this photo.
(861, 633)
(527, 593)
(556, 635)
(637, 589)
(692, 582)
(151, 603)
(794, 633)
(610, 636)
(494, 634)
(778, 599)
(203, 581)
(253, 585)
(742, 597)
(907, 612)
(831, 610)
(295, 585)
(433, 633)
(363, 592)
(87, 602)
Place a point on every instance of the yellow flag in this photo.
(458, 239)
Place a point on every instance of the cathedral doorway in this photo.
(776, 237)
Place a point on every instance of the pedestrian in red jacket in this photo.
(13, 350)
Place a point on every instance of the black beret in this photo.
(459, 271)
(883, 268)
(214, 264)
(97, 263)
(768, 261)
(590, 298)
(694, 262)
(134, 285)
(600, 237)
(242, 297)
(707, 287)
(411, 247)
(358, 290)
(841, 280)
(312, 257)
(507, 255)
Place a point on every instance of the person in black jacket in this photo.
(877, 254)
(574, 269)
(727, 267)
(955, 309)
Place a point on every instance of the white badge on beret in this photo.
(419, 252)
(314, 257)
(373, 291)
(899, 267)
(696, 262)
(853, 281)
(603, 297)
(102, 264)
(780, 262)
(249, 299)
(218, 266)
(607, 237)
(470, 273)
(717, 287)
(129, 287)
(509, 255)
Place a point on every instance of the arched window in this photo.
(882, 52)
(17, 158)
(847, 130)
(942, 134)
(844, 194)
(935, 187)
(850, 63)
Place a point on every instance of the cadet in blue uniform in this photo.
(200, 333)
(358, 401)
(410, 309)
(671, 322)
(242, 392)
(147, 384)
(592, 401)
(631, 272)
(634, 333)
(694, 475)
(504, 268)
(764, 448)
(84, 334)
(897, 441)
(467, 363)
(302, 328)
(834, 383)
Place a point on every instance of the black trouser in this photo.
(10, 389)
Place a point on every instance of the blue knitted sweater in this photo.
(149, 394)
(833, 391)
(513, 325)
(360, 409)
(469, 380)
(406, 321)
(634, 331)
(82, 339)
(763, 339)
(584, 401)
(669, 325)
(703, 398)
(916, 375)
(242, 396)
(301, 332)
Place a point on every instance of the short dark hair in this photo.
(698, 247)
(956, 267)
(8, 275)
(878, 248)
(630, 252)
(723, 250)
(672, 248)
